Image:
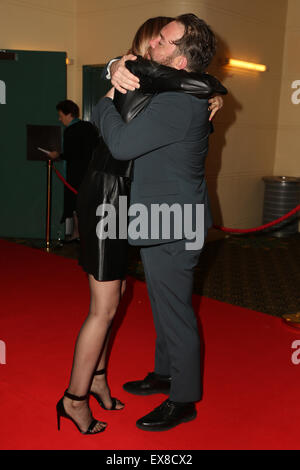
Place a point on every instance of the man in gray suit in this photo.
(169, 142)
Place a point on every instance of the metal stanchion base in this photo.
(42, 245)
(53, 246)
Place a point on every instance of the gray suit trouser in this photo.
(169, 272)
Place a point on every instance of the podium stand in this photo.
(48, 212)
(39, 140)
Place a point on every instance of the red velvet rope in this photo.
(219, 227)
(63, 180)
(261, 227)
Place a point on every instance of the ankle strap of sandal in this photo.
(75, 397)
(100, 372)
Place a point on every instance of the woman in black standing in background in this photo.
(79, 140)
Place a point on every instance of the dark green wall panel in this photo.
(35, 82)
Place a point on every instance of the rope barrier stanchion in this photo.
(48, 214)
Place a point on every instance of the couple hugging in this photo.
(155, 124)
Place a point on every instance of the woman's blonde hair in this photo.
(146, 32)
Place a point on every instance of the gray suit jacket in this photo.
(169, 142)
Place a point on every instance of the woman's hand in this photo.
(121, 78)
(216, 103)
(111, 93)
(53, 155)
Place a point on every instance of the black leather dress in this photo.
(107, 178)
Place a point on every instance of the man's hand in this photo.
(53, 155)
(121, 78)
(111, 93)
(216, 103)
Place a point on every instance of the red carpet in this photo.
(251, 386)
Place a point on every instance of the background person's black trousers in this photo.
(169, 270)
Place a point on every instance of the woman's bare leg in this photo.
(99, 384)
(105, 298)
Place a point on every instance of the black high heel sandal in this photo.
(99, 400)
(61, 412)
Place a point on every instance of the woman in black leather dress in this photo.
(105, 261)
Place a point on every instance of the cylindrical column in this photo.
(282, 194)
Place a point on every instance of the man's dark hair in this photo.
(68, 107)
(198, 43)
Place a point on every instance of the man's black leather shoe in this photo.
(152, 383)
(166, 416)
